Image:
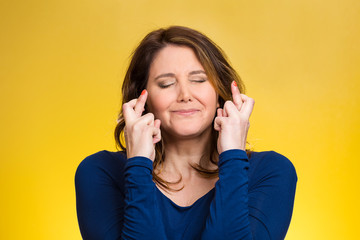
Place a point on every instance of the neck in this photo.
(181, 153)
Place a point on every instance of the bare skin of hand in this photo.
(141, 132)
(232, 121)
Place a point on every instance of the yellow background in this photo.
(61, 66)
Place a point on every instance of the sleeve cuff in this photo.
(140, 162)
(237, 154)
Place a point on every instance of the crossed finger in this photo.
(140, 103)
(134, 108)
(248, 105)
(243, 103)
(236, 95)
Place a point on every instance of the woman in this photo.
(185, 172)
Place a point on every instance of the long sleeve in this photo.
(100, 197)
(115, 198)
(142, 219)
(253, 200)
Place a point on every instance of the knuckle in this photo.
(150, 115)
(244, 119)
(149, 130)
(134, 127)
(227, 102)
(138, 125)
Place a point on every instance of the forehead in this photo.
(174, 59)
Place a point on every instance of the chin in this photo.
(187, 132)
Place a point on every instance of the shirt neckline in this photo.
(184, 207)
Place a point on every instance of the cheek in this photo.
(210, 97)
(157, 105)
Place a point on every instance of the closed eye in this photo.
(166, 83)
(198, 80)
(164, 86)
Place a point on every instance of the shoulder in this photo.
(270, 159)
(103, 158)
(103, 164)
(271, 163)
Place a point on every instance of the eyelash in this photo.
(164, 86)
(168, 85)
(199, 80)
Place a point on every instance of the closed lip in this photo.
(186, 111)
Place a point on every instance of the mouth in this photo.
(186, 112)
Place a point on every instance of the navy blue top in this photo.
(116, 198)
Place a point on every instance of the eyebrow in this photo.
(165, 75)
(173, 75)
(197, 72)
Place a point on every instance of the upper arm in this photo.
(272, 184)
(99, 197)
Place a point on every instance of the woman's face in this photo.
(180, 94)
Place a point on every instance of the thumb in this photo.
(156, 131)
(217, 121)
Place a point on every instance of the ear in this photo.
(218, 102)
(146, 109)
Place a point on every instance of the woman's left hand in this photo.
(232, 121)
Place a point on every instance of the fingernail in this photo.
(234, 83)
(143, 92)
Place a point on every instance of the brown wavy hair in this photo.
(217, 68)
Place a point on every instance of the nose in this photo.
(184, 93)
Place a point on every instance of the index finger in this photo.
(236, 95)
(140, 103)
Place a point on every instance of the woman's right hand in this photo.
(141, 132)
(232, 121)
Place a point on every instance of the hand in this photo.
(141, 132)
(232, 121)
